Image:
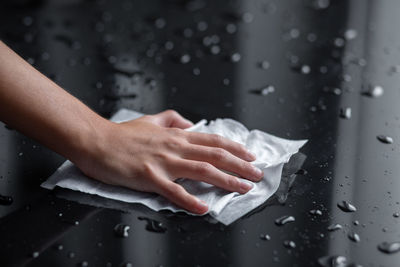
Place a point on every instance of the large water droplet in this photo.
(284, 220)
(334, 227)
(354, 237)
(346, 206)
(315, 212)
(153, 225)
(122, 230)
(333, 261)
(385, 139)
(289, 244)
(345, 113)
(389, 248)
(374, 91)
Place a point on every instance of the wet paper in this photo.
(272, 153)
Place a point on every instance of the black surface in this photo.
(111, 54)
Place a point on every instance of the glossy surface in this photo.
(216, 59)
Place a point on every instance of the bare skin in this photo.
(147, 154)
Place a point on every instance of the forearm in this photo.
(38, 107)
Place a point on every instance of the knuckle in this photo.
(217, 139)
(149, 171)
(171, 112)
(219, 154)
(232, 183)
(203, 168)
(173, 142)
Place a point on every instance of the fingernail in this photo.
(257, 171)
(202, 205)
(251, 156)
(245, 186)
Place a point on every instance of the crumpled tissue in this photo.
(272, 153)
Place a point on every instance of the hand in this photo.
(150, 153)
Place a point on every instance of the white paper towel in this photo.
(272, 153)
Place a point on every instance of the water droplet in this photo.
(84, 264)
(6, 200)
(122, 230)
(345, 113)
(346, 206)
(389, 248)
(71, 255)
(153, 225)
(231, 28)
(196, 71)
(284, 220)
(60, 247)
(264, 91)
(374, 91)
(27, 21)
(315, 212)
(396, 215)
(265, 237)
(215, 49)
(354, 237)
(356, 222)
(185, 58)
(385, 139)
(289, 244)
(247, 17)
(305, 69)
(127, 264)
(235, 57)
(334, 227)
(35, 254)
(320, 4)
(160, 23)
(350, 34)
(339, 42)
(333, 261)
(264, 65)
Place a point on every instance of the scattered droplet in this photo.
(333, 261)
(71, 255)
(305, 69)
(122, 230)
(346, 206)
(345, 113)
(235, 57)
(350, 34)
(289, 244)
(389, 247)
(334, 227)
(60, 247)
(396, 215)
(315, 212)
(84, 264)
(374, 91)
(356, 222)
(284, 220)
(354, 237)
(35, 254)
(264, 91)
(153, 225)
(385, 139)
(265, 237)
(185, 58)
(6, 200)
(231, 28)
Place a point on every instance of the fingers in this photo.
(203, 171)
(171, 118)
(179, 196)
(215, 140)
(224, 160)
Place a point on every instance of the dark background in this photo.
(114, 54)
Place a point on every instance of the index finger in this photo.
(215, 140)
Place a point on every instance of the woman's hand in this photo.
(150, 153)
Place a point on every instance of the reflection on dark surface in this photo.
(205, 59)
